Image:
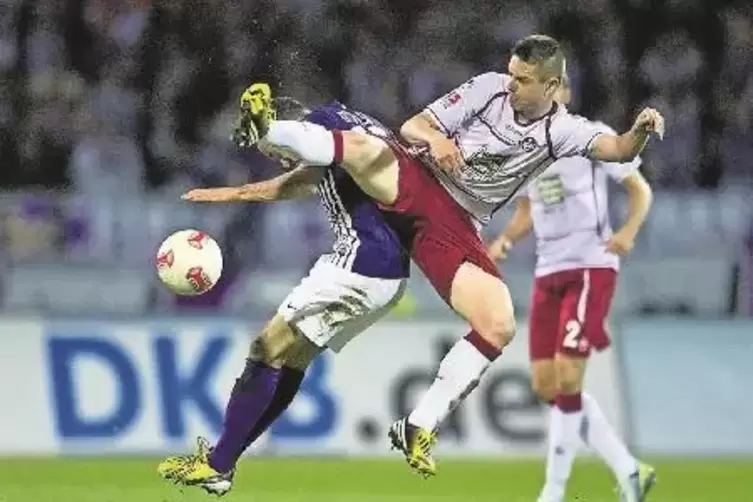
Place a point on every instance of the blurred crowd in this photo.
(109, 109)
(114, 96)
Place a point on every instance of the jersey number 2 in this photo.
(572, 334)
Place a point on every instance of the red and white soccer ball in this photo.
(189, 262)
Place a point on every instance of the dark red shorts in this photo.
(569, 312)
(442, 235)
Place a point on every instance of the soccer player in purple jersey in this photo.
(346, 291)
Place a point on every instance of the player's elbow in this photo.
(418, 128)
(408, 129)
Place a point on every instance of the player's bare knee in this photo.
(500, 329)
(485, 302)
(301, 354)
(570, 372)
(272, 344)
(544, 380)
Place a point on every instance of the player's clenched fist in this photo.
(650, 120)
(446, 154)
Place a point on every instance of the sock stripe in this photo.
(488, 350)
(338, 138)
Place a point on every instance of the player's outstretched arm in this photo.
(298, 183)
(627, 146)
(640, 197)
(520, 225)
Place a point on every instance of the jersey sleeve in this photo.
(455, 108)
(572, 135)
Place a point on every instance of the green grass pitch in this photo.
(330, 480)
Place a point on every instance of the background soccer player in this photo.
(576, 270)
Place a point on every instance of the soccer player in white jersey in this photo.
(576, 269)
(471, 152)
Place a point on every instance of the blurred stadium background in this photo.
(109, 109)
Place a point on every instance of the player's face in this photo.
(529, 92)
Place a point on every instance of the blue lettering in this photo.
(325, 416)
(64, 352)
(176, 389)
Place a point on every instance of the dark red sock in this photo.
(569, 403)
(482, 345)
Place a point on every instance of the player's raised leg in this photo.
(367, 158)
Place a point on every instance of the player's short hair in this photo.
(543, 51)
(290, 108)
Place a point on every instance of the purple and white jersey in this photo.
(502, 155)
(570, 214)
(365, 243)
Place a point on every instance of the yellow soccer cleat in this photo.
(416, 443)
(257, 111)
(639, 484)
(194, 470)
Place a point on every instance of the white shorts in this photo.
(332, 305)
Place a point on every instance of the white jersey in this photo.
(502, 155)
(570, 214)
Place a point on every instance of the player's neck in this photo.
(529, 117)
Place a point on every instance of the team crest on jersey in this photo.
(528, 144)
(482, 166)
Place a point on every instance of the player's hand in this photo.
(446, 154)
(650, 120)
(500, 248)
(211, 195)
(621, 243)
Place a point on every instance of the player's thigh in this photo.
(384, 295)
(331, 305)
(585, 308)
(372, 164)
(544, 319)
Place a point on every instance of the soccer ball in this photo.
(189, 262)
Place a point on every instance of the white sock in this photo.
(458, 374)
(564, 439)
(314, 144)
(599, 435)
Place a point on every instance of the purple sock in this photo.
(251, 396)
(287, 389)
